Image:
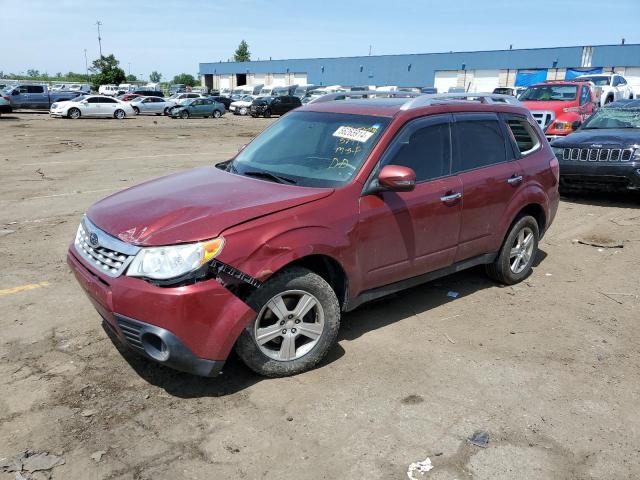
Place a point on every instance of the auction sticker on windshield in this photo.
(355, 134)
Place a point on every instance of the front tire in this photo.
(167, 110)
(243, 111)
(297, 324)
(267, 113)
(184, 114)
(119, 114)
(74, 113)
(518, 252)
(136, 110)
(216, 114)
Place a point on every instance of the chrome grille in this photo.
(544, 119)
(598, 154)
(104, 252)
(131, 332)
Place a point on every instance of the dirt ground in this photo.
(550, 368)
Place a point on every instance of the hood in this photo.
(602, 136)
(553, 106)
(194, 205)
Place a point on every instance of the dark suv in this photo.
(267, 106)
(336, 204)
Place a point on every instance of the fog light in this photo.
(155, 347)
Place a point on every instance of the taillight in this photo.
(555, 168)
(7, 98)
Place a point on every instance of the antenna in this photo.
(98, 23)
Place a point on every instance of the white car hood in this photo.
(241, 103)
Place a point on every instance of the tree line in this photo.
(106, 70)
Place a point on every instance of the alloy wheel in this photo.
(289, 325)
(521, 250)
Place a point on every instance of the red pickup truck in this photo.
(560, 107)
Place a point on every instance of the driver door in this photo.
(405, 234)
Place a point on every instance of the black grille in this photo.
(131, 332)
(598, 154)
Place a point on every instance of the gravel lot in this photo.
(549, 368)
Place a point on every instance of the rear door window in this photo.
(479, 141)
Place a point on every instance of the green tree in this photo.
(106, 70)
(185, 79)
(132, 78)
(155, 77)
(242, 53)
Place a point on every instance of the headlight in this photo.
(163, 263)
(566, 126)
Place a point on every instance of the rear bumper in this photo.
(198, 324)
(591, 175)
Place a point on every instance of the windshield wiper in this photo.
(269, 176)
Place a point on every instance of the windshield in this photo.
(247, 98)
(313, 149)
(598, 80)
(300, 91)
(613, 118)
(550, 93)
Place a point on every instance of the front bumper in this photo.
(198, 324)
(257, 109)
(592, 175)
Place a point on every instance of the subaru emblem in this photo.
(596, 145)
(93, 239)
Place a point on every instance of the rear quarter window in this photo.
(524, 136)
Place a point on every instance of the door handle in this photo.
(514, 180)
(451, 197)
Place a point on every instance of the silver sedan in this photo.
(155, 105)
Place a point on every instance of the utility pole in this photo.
(86, 64)
(369, 50)
(129, 63)
(98, 23)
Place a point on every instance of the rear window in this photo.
(526, 139)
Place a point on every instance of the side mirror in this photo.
(397, 178)
(84, 102)
(576, 125)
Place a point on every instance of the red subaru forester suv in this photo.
(335, 204)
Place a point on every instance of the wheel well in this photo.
(537, 212)
(330, 270)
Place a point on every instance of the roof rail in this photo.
(329, 97)
(488, 98)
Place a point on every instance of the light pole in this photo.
(86, 64)
(98, 23)
(129, 63)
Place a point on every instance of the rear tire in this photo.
(515, 258)
(119, 114)
(299, 335)
(74, 113)
(608, 100)
(167, 110)
(217, 114)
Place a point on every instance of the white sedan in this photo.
(241, 107)
(92, 106)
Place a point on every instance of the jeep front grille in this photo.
(598, 154)
(102, 251)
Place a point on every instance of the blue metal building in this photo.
(474, 71)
